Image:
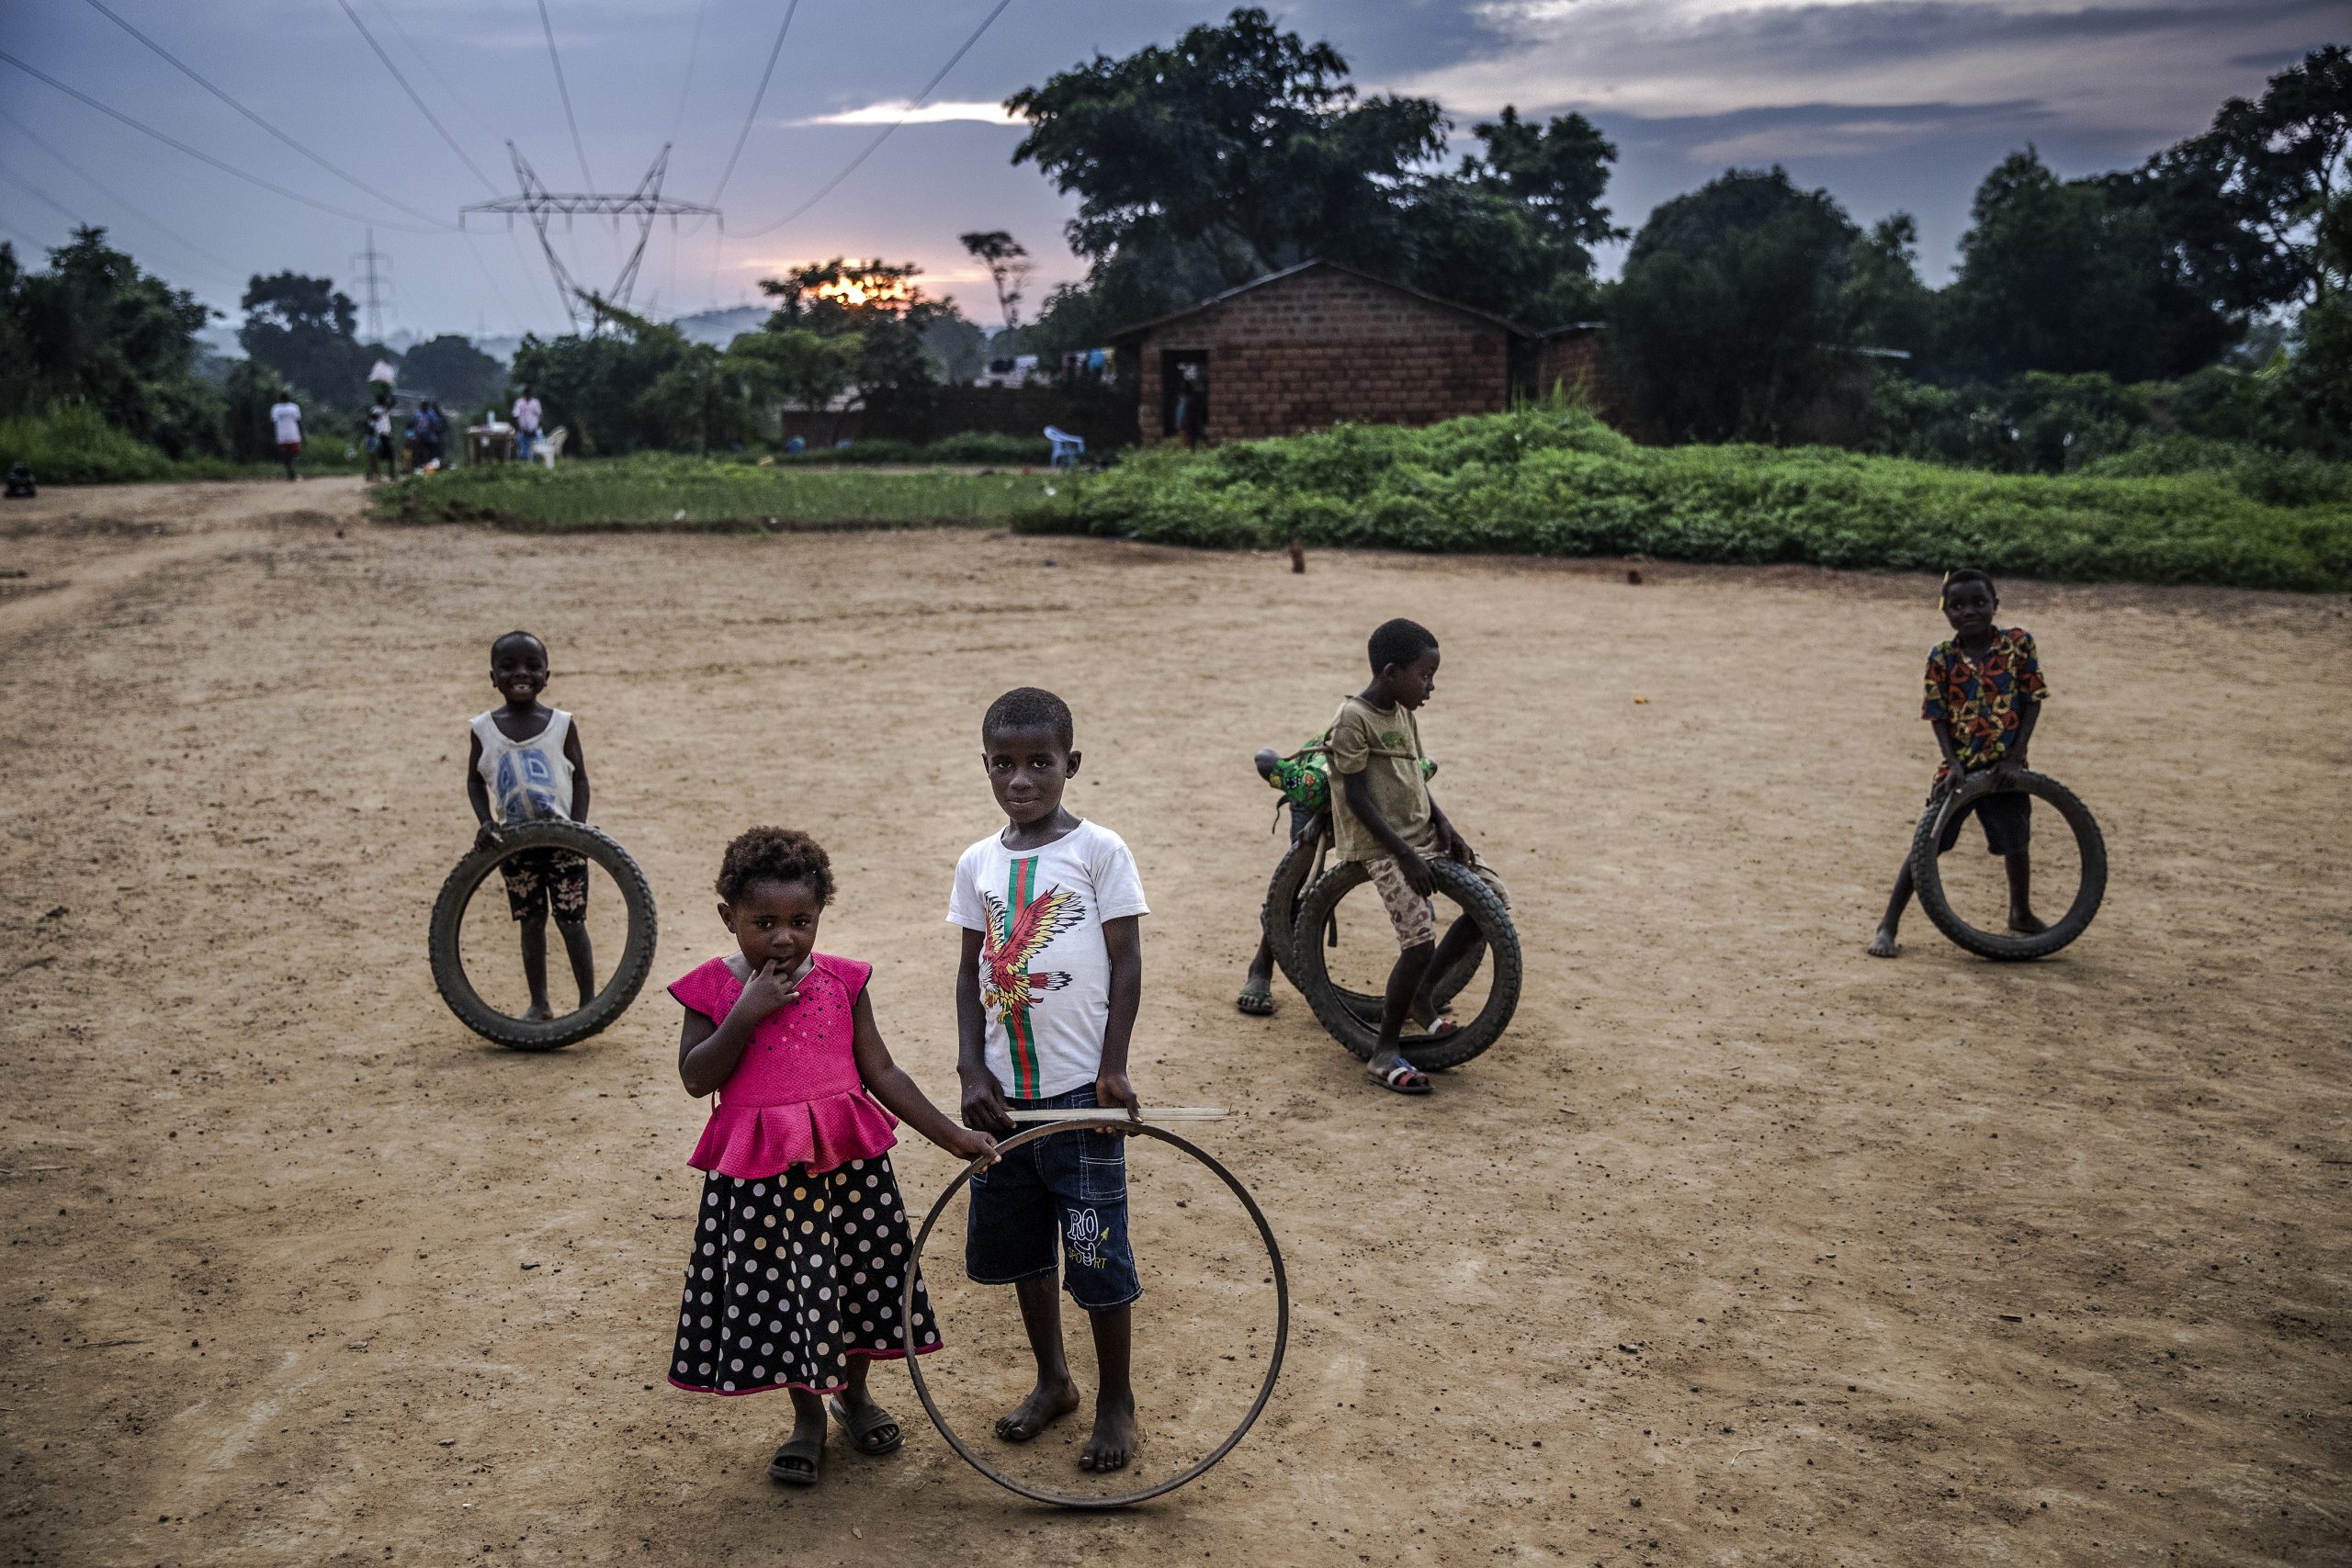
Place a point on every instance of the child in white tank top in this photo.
(525, 765)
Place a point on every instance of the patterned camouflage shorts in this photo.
(1415, 917)
(535, 878)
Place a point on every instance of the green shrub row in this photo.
(1554, 481)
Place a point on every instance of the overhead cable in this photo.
(391, 18)
(686, 87)
(174, 142)
(921, 98)
(430, 117)
(753, 112)
(44, 197)
(114, 196)
(565, 92)
(189, 72)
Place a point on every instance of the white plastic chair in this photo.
(549, 446)
(1068, 448)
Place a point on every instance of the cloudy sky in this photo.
(1890, 104)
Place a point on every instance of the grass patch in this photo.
(688, 492)
(71, 444)
(1554, 481)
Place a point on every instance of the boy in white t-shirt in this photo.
(1046, 989)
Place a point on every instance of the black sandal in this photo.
(873, 1431)
(805, 1454)
(1256, 1003)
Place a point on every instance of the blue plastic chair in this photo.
(1068, 448)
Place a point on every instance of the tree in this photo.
(1009, 267)
(2248, 197)
(1556, 173)
(1730, 317)
(455, 374)
(708, 398)
(302, 327)
(98, 329)
(1241, 139)
(595, 387)
(1882, 301)
(2075, 275)
(879, 306)
(800, 366)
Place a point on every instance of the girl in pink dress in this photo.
(801, 1243)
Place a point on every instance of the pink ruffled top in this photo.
(795, 1098)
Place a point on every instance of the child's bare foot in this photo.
(1046, 1404)
(539, 1012)
(2025, 922)
(1883, 945)
(1115, 1441)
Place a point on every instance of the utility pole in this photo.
(373, 281)
(539, 205)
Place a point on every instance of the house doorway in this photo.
(1184, 394)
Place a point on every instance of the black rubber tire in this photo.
(1927, 877)
(1361, 1036)
(1279, 917)
(621, 986)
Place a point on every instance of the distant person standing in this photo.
(286, 415)
(383, 450)
(526, 425)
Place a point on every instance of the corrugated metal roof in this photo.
(1126, 333)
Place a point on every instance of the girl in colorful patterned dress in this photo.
(801, 1243)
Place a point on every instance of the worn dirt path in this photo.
(1741, 1248)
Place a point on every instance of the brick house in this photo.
(1315, 344)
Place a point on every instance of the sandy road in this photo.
(1742, 1247)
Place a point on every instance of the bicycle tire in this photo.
(1279, 918)
(621, 989)
(1927, 874)
(1361, 1036)
(1280, 1277)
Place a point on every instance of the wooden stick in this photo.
(1150, 1113)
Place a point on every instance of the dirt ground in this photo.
(1741, 1248)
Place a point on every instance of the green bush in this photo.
(1556, 481)
(71, 444)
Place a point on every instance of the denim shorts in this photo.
(1069, 1194)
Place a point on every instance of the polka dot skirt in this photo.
(791, 1276)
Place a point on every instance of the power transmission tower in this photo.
(539, 205)
(373, 281)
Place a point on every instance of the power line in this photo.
(753, 112)
(492, 278)
(565, 92)
(430, 117)
(921, 98)
(686, 87)
(392, 20)
(189, 72)
(44, 197)
(174, 142)
(116, 197)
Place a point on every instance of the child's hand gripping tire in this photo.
(1278, 916)
(1927, 874)
(1337, 1007)
(620, 987)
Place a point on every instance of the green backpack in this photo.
(1304, 776)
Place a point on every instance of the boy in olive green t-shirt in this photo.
(1383, 815)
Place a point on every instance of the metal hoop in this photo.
(1110, 1119)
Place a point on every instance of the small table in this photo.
(489, 442)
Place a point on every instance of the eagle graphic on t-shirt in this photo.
(1013, 940)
